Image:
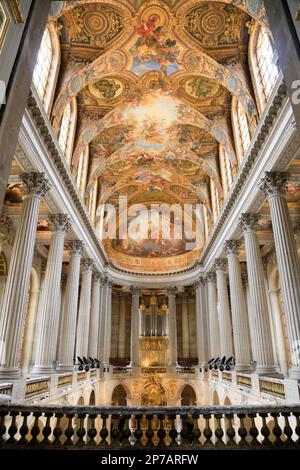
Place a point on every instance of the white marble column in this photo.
(84, 311)
(68, 326)
(240, 323)
(201, 321)
(107, 330)
(101, 333)
(172, 326)
(226, 345)
(95, 316)
(135, 334)
(16, 289)
(122, 327)
(279, 338)
(274, 185)
(258, 297)
(214, 328)
(5, 230)
(185, 327)
(50, 298)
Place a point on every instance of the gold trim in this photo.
(14, 6)
(6, 22)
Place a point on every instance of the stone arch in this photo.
(188, 396)
(154, 394)
(119, 396)
(80, 401)
(92, 400)
(216, 399)
(227, 402)
(27, 346)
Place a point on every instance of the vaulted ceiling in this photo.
(154, 82)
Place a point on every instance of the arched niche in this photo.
(188, 396)
(119, 396)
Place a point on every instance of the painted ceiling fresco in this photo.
(154, 82)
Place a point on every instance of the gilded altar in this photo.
(153, 351)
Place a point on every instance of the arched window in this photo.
(43, 65)
(47, 67)
(82, 169)
(243, 127)
(92, 201)
(267, 62)
(215, 200)
(65, 128)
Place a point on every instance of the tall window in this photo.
(81, 174)
(244, 127)
(92, 202)
(267, 62)
(215, 200)
(228, 169)
(65, 129)
(43, 66)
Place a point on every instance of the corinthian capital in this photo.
(202, 281)
(248, 222)
(60, 222)
(220, 264)
(76, 247)
(134, 290)
(274, 183)
(211, 277)
(232, 247)
(96, 277)
(88, 264)
(35, 184)
(172, 291)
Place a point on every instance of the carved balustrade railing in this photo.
(53, 426)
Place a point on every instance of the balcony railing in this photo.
(145, 428)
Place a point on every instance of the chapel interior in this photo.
(114, 117)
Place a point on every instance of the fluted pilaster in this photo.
(185, 327)
(172, 326)
(214, 328)
(68, 325)
(134, 345)
(226, 344)
(240, 324)
(95, 316)
(122, 327)
(83, 324)
(50, 302)
(107, 333)
(274, 185)
(16, 289)
(201, 321)
(260, 317)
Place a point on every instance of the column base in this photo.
(10, 373)
(264, 370)
(294, 373)
(65, 368)
(42, 370)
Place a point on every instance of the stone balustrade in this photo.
(123, 428)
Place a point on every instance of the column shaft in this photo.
(95, 316)
(135, 336)
(201, 321)
(16, 289)
(275, 185)
(122, 328)
(185, 328)
(214, 329)
(83, 323)
(241, 333)
(107, 334)
(261, 323)
(66, 348)
(172, 326)
(50, 298)
(226, 344)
